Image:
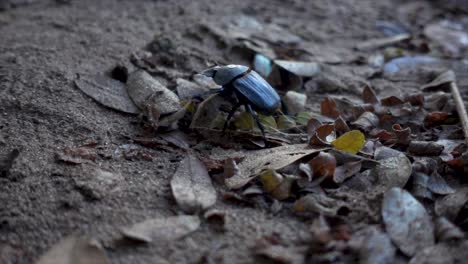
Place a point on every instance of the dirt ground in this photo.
(45, 45)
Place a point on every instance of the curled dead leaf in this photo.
(323, 135)
(329, 108)
(323, 165)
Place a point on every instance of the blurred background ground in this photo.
(45, 44)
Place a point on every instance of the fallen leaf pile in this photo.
(381, 179)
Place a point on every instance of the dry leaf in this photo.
(323, 135)
(373, 246)
(273, 158)
(436, 118)
(75, 250)
(276, 185)
(147, 91)
(191, 186)
(367, 121)
(437, 254)
(446, 230)
(443, 79)
(162, 229)
(346, 170)
(318, 203)
(329, 108)
(407, 222)
(351, 141)
(392, 172)
(108, 92)
(369, 96)
(450, 205)
(425, 148)
(323, 165)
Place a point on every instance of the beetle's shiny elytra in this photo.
(245, 87)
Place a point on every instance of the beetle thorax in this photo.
(225, 74)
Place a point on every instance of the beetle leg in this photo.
(231, 113)
(255, 117)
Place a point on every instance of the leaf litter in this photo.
(383, 146)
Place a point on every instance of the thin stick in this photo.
(460, 108)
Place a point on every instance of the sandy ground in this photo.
(45, 44)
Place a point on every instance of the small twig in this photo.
(382, 42)
(460, 108)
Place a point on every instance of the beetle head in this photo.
(224, 74)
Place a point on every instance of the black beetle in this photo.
(245, 87)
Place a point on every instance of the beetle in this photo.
(245, 87)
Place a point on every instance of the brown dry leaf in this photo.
(407, 222)
(191, 186)
(436, 118)
(341, 126)
(358, 110)
(318, 203)
(273, 158)
(323, 165)
(402, 135)
(75, 250)
(351, 141)
(329, 108)
(108, 92)
(383, 135)
(162, 229)
(217, 219)
(425, 148)
(369, 96)
(323, 135)
(392, 101)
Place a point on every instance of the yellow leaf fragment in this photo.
(351, 141)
